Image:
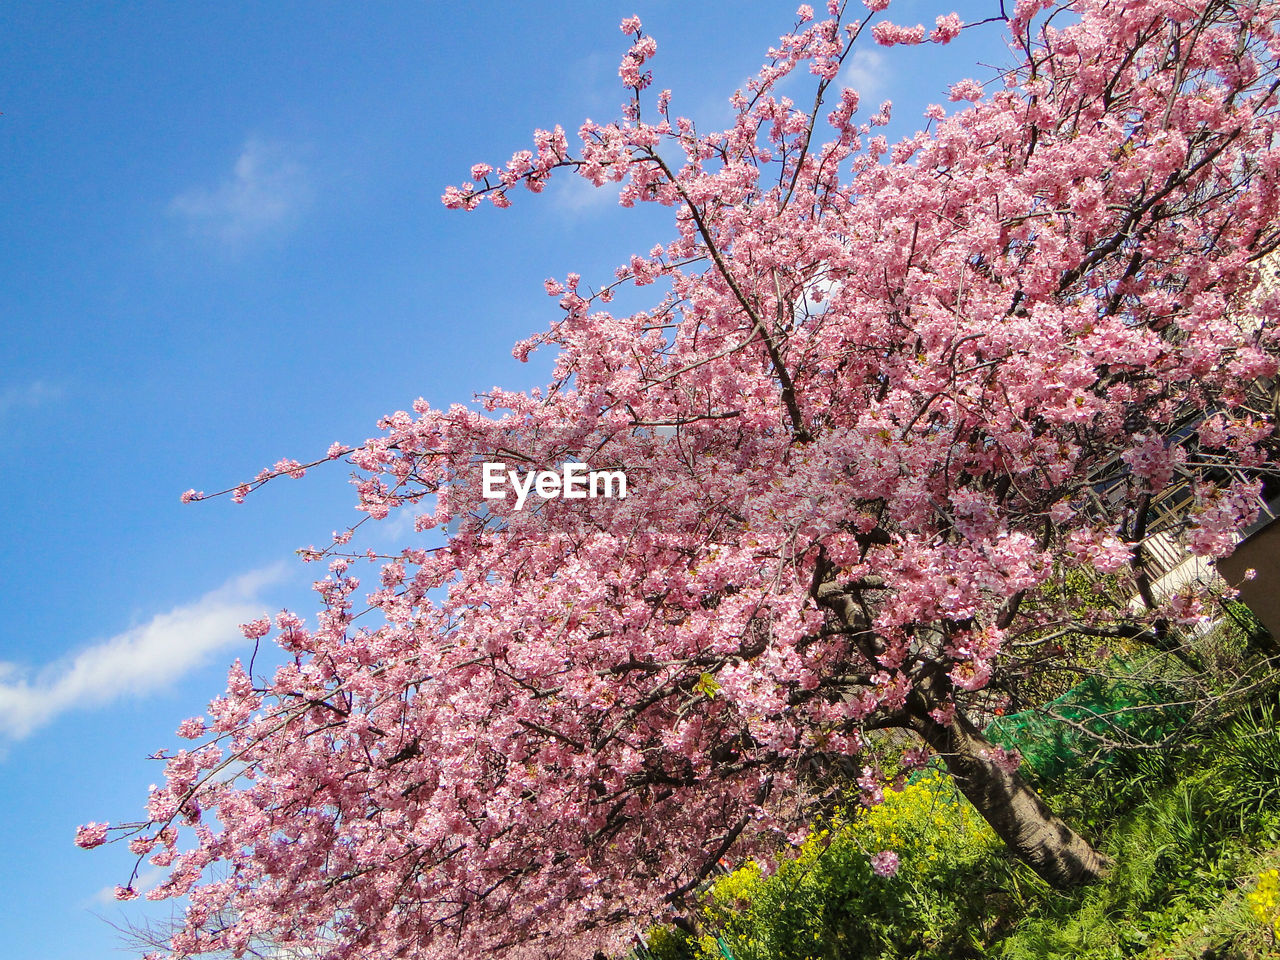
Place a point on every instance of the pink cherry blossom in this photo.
(885, 863)
(881, 395)
(889, 34)
(947, 29)
(91, 835)
(966, 90)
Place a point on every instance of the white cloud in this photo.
(267, 188)
(577, 196)
(145, 881)
(866, 72)
(34, 394)
(399, 527)
(141, 660)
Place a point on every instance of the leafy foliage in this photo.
(828, 901)
(1184, 830)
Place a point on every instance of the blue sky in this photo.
(221, 244)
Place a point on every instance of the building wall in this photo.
(1262, 595)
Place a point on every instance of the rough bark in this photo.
(1015, 812)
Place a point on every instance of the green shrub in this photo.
(827, 902)
(1183, 830)
(1186, 830)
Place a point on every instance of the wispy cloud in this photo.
(575, 196)
(268, 187)
(865, 71)
(145, 881)
(398, 527)
(28, 395)
(141, 660)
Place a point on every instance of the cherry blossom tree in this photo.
(884, 394)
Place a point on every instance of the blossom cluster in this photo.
(865, 421)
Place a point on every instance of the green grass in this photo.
(1188, 831)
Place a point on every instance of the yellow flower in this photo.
(1264, 900)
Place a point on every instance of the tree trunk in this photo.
(1016, 813)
